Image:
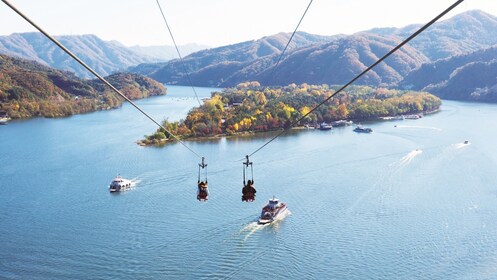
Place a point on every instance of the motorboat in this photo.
(325, 126)
(272, 211)
(119, 184)
(361, 129)
(466, 142)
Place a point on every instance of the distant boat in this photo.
(342, 123)
(325, 126)
(273, 211)
(119, 184)
(413, 117)
(4, 120)
(466, 142)
(361, 129)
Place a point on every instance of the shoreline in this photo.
(163, 142)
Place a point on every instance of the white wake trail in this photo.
(409, 157)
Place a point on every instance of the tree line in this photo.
(248, 107)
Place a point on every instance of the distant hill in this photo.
(334, 59)
(470, 76)
(241, 53)
(341, 60)
(165, 53)
(30, 89)
(463, 33)
(105, 57)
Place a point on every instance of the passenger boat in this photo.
(361, 129)
(119, 184)
(325, 126)
(273, 211)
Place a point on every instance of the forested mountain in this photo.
(463, 33)
(105, 57)
(464, 77)
(339, 61)
(332, 60)
(29, 89)
(226, 56)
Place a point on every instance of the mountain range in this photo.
(429, 62)
(330, 59)
(105, 57)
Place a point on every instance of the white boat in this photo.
(273, 211)
(119, 184)
(4, 120)
(342, 123)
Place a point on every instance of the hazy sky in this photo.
(220, 22)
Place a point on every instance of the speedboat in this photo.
(466, 142)
(119, 184)
(273, 211)
(363, 129)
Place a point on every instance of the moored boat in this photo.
(272, 211)
(342, 123)
(325, 126)
(119, 184)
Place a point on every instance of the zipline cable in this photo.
(363, 72)
(288, 43)
(55, 41)
(179, 54)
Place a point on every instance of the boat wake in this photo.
(251, 228)
(419, 126)
(409, 157)
(135, 182)
(460, 145)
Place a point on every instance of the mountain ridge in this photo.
(324, 60)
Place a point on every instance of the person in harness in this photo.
(248, 190)
(202, 186)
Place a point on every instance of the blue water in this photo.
(405, 202)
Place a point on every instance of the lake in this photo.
(408, 201)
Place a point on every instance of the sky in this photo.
(216, 23)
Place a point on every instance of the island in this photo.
(250, 108)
